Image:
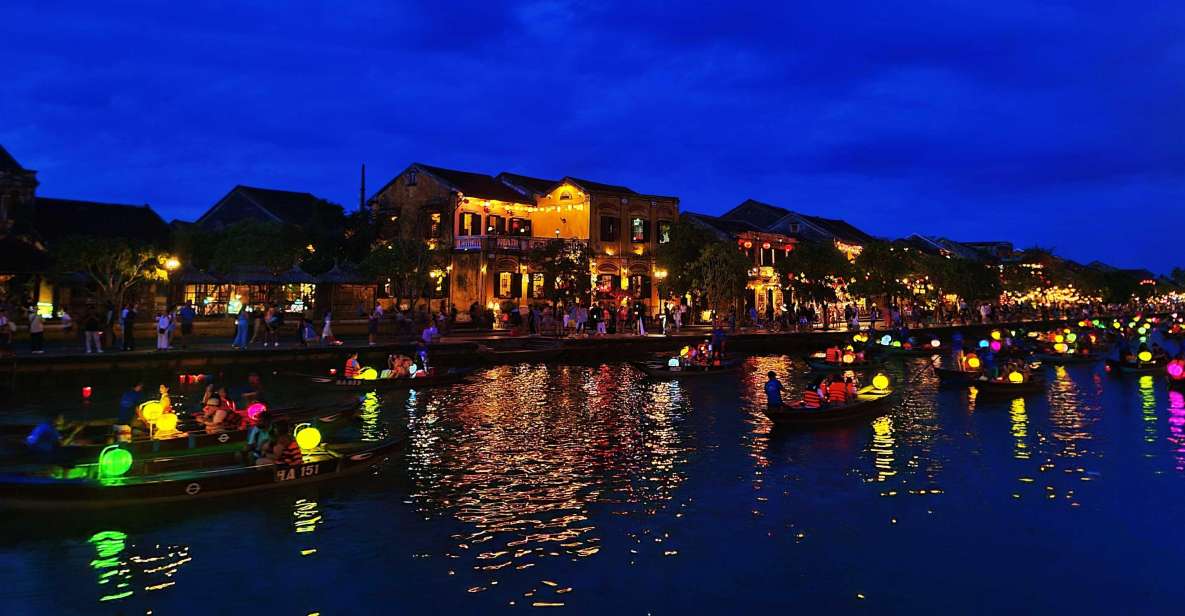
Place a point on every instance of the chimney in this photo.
(362, 190)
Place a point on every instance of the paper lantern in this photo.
(673, 362)
(1016, 377)
(973, 362)
(996, 346)
(333, 372)
(849, 358)
(1144, 356)
(1061, 347)
(86, 392)
(880, 381)
(1143, 330)
(1059, 338)
(936, 343)
(166, 422)
(255, 410)
(152, 410)
(1071, 338)
(685, 351)
(114, 461)
(996, 334)
(307, 437)
(897, 344)
(368, 374)
(1176, 369)
(886, 340)
(983, 344)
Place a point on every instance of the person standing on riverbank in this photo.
(36, 332)
(327, 329)
(128, 325)
(93, 331)
(242, 324)
(186, 315)
(164, 323)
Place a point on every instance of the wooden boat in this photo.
(23, 491)
(447, 377)
(1002, 387)
(524, 349)
(1115, 367)
(951, 376)
(819, 365)
(892, 351)
(660, 370)
(1064, 359)
(193, 441)
(869, 402)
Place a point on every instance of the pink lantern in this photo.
(254, 410)
(996, 346)
(1176, 369)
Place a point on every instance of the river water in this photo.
(589, 488)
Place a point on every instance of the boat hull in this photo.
(662, 372)
(868, 405)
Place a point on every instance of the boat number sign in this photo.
(193, 488)
(297, 472)
(224, 437)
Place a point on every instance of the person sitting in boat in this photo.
(282, 449)
(252, 392)
(773, 391)
(129, 403)
(353, 366)
(259, 437)
(852, 387)
(813, 398)
(421, 358)
(837, 391)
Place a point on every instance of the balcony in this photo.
(505, 243)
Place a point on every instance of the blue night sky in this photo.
(1060, 124)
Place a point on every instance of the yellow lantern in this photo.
(973, 363)
(1061, 347)
(1144, 356)
(849, 358)
(684, 352)
(1059, 338)
(1016, 377)
(936, 343)
(368, 374)
(152, 410)
(166, 422)
(996, 335)
(307, 437)
(880, 381)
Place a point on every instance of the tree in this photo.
(113, 265)
(272, 245)
(720, 274)
(879, 270)
(813, 271)
(410, 265)
(677, 256)
(566, 268)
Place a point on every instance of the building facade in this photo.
(764, 290)
(490, 225)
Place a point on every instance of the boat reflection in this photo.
(121, 572)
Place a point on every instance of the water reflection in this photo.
(1148, 407)
(882, 447)
(122, 572)
(306, 517)
(521, 455)
(1177, 428)
(1020, 429)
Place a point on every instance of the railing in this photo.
(505, 243)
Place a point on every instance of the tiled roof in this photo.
(722, 226)
(842, 230)
(56, 219)
(476, 185)
(755, 212)
(538, 186)
(591, 186)
(295, 208)
(7, 162)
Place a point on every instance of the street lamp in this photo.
(172, 263)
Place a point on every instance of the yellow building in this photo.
(497, 221)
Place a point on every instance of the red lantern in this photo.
(332, 371)
(765, 245)
(748, 244)
(86, 392)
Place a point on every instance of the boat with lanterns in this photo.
(892, 347)
(955, 376)
(869, 401)
(109, 482)
(1015, 383)
(666, 370)
(370, 379)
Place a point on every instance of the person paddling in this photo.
(773, 391)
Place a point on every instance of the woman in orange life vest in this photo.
(352, 366)
(837, 392)
(812, 398)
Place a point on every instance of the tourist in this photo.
(813, 398)
(164, 322)
(353, 366)
(110, 316)
(429, 334)
(127, 321)
(422, 357)
(773, 391)
(639, 315)
(272, 321)
(837, 391)
(186, 315)
(128, 403)
(372, 324)
(242, 324)
(327, 329)
(92, 331)
(67, 323)
(281, 449)
(259, 326)
(36, 333)
(7, 329)
(259, 437)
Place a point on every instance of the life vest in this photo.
(837, 392)
(291, 455)
(833, 355)
(352, 368)
(811, 399)
(232, 420)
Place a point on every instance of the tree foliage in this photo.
(720, 273)
(879, 270)
(409, 264)
(677, 257)
(813, 271)
(113, 266)
(566, 268)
